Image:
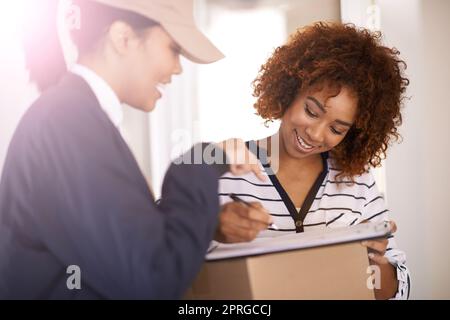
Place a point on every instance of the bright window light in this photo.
(12, 14)
(248, 38)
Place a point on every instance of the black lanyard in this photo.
(299, 217)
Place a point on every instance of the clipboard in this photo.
(311, 239)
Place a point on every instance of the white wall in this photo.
(15, 93)
(302, 13)
(417, 173)
(417, 170)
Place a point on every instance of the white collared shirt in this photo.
(109, 102)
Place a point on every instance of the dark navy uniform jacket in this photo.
(71, 193)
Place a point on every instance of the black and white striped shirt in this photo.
(330, 203)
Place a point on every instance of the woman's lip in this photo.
(299, 146)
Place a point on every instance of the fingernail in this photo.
(371, 255)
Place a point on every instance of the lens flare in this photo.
(12, 16)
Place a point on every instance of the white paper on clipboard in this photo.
(303, 240)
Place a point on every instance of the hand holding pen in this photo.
(241, 221)
(237, 199)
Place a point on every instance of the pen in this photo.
(237, 199)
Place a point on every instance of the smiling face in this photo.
(317, 121)
(151, 61)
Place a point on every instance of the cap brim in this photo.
(194, 44)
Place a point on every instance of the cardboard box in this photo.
(331, 272)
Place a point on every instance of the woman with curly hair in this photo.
(338, 93)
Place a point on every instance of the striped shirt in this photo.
(329, 204)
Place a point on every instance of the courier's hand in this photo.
(242, 161)
(241, 223)
(377, 248)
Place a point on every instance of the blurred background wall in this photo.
(417, 174)
(214, 102)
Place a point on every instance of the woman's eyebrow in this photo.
(317, 103)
